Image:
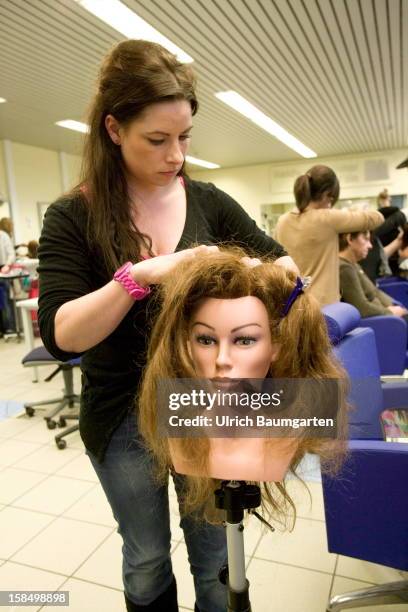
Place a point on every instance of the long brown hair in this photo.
(307, 354)
(318, 182)
(134, 75)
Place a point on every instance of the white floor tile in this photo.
(365, 571)
(80, 468)
(254, 531)
(54, 495)
(172, 490)
(104, 566)
(176, 531)
(17, 527)
(13, 426)
(346, 585)
(37, 392)
(63, 545)
(281, 588)
(306, 546)
(308, 499)
(14, 483)
(47, 459)
(84, 596)
(14, 577)
(17, 377)
(92, 507)
(181, 569)
(38, 433)
(11, 451)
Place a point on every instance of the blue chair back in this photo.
(398, 291)
(356, 350)
(366, 505)
(391, 340)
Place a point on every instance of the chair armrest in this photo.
(395, 394)
(391, 340)
(398, 291)
(386, 280)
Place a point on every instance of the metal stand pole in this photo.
(235, 497)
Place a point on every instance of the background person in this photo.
(7, 252)
(310, 233)
(134, 204)
(7, 258)
(355, 286)
(388, 232)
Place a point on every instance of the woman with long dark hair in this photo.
(104, 245)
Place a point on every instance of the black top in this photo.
(69, 269)
(388, 231)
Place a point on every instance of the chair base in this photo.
(59, 438)
(389, 593)
(66, 401)
(62, 423)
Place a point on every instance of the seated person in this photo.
(225, 318)
(376, 264)
(403, 254)
(355, 286)
(388, 232)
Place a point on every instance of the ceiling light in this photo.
(240, 104)
(125, 21)
(73, 125)
(201, 162)
(2, 100)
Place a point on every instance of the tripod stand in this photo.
(234, 497)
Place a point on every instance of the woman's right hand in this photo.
(152, 271)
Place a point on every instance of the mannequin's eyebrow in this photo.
(232, 330)
(205, 325)
(246, 325)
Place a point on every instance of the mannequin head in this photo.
(221, 319)
(231, 338)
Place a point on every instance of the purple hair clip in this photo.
(301, 285)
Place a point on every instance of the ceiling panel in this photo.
(331, 72)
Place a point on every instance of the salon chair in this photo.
(366, 504)
(391, 339)
(356, 349)
(386, 280)
(39, 357)
(366, 508)
(398, 290)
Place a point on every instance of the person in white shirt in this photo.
(7, 258)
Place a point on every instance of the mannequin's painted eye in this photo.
(205, 340)
(245, 340)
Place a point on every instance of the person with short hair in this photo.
(355, 286)
(310, 233)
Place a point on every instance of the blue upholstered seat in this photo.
(366, 504)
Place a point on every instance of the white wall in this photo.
(3, 181)
(4, 206)
(272, 183)
(38, 177)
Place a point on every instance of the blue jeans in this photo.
(141, 509)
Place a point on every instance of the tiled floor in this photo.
(57, 530)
